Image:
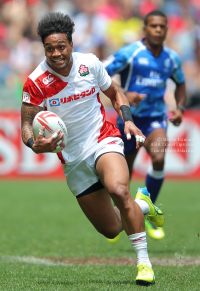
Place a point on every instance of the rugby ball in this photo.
(52, 123)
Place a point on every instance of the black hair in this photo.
(154, 13)
(55, 22)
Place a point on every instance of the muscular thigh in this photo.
(156, 143)
(112, 169)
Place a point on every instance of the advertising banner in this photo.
(18, 161)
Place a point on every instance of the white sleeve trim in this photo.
(107, 84)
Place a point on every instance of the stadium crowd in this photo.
(101, 27)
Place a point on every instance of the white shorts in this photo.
(82, 175)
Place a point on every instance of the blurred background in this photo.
(101, 27)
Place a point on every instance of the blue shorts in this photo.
(146, 125)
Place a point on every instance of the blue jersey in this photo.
(142, 72)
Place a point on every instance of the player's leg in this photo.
(106, 219)
(98, 208)
(92, 197)
(113, 172)
(147, 126)
(114, 175)
(130, 158)
(155, 145)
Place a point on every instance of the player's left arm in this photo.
(121, 105)
(180, 92)
(119, 101)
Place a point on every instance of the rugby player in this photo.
(144, 67)
(68, 84)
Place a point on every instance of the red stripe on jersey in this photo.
(108, 129)
(50, 84)
(36, 97)
(60, 156)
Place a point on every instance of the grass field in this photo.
(46, 243)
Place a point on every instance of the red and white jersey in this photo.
(75, 99)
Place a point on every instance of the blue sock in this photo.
(154, 180)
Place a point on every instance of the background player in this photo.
(144, 66)
(68, 84)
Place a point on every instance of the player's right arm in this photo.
(28, 113)
(31, 99)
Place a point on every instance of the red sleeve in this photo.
(32, 94)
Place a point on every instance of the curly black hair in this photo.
(154, 13)
(55, 22)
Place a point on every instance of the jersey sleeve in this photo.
(31, 94)
(118, 62)
(104, 80)
(177, 73)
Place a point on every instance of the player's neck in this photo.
(155, 49)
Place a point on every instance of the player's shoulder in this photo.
(86, 61)
(132, 47)
(88, 58)
(39, 70)
(172, 54)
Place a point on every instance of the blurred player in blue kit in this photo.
(144, 67)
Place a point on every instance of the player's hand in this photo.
(130, 128)
(48, 145)
(175, 116)
(134, 98)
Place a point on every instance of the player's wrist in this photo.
(181, 108)
(30, 143)
(126, 113)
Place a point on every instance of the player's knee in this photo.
(158, 162)
(119, 193)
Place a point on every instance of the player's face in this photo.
(155, 30)
(58, 53)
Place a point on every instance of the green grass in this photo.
(43, 220)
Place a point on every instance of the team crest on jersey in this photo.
(83, 70)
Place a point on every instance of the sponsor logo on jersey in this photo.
(48, 80)
(77, 96)
(54, 102)
(26, 97)
(154, 74)
(143, 61)
(83, 70)
(149, 82)
(57, 101)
